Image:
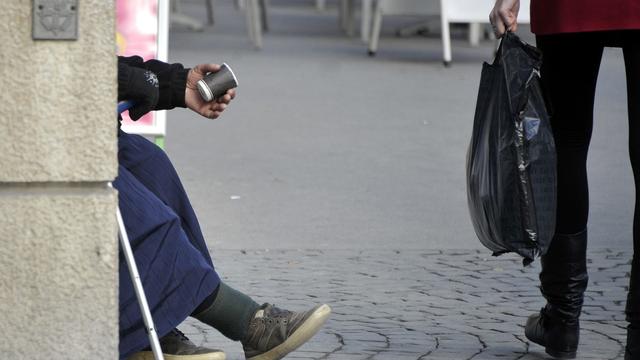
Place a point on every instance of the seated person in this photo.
(176, 269)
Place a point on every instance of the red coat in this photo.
(567, 16)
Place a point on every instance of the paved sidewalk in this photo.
(412, 304)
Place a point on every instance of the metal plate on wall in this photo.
(55, 19)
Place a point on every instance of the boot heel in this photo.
(632, 350)
(561, 354)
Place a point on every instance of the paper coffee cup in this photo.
(216, 84)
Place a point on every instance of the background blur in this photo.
(326, 147)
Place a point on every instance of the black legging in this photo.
(569, 73)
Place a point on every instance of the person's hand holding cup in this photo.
(210, 88)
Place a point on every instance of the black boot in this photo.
(632, 351)
(563, 281)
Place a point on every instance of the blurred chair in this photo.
(399, 7)
(177, 17)
(257, 16)
(347, 17)
(256, 12)
(257, 19)
(365, 20)
(347, 14)
(473, 12)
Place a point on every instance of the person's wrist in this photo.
(179, 86)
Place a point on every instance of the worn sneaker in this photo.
(176, 346)
(273, 332)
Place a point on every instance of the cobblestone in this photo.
(420, 305)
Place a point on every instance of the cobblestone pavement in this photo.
(415, 304)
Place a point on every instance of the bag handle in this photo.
(498, 56)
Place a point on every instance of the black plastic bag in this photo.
(511, 162)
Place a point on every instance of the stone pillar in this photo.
(58, 234)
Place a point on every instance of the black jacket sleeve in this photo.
(172, 79)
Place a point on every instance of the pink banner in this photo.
(137, 34)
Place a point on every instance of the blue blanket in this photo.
(170, 251)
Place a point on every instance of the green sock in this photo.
(230, 313)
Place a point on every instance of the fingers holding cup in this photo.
(216, 84)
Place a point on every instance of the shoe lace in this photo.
(274, 316)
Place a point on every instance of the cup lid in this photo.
(204, 90)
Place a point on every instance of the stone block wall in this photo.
(58, 233)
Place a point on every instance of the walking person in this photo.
(572, 35)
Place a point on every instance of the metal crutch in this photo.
(135, 276)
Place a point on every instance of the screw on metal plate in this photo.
(55, 19)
